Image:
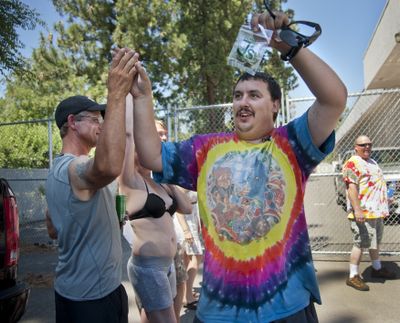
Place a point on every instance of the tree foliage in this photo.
(53, 76)
(26, 146)
(184, 46)
(13, 15)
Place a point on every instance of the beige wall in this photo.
(382, 57)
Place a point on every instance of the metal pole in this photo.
(283, 107)
(50, 136)
(287, 107)
(176, 123)
(169, 122)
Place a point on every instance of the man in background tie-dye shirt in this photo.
(367, 204)
(250, 183)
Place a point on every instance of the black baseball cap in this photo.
(74, 105)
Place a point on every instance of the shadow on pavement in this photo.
(390, 265)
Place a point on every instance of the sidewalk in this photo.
(341, 304)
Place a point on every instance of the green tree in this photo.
(13, 15)
(85, 35)
(184, 46)
(25, 146)
(53, 76)
(212, 28)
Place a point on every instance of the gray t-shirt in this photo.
(89, 237)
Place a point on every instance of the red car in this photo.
(13, 294)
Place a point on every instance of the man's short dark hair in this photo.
(273, 86)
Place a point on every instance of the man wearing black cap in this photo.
(81, 205)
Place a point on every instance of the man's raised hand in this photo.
(122, 71)
(141, 86)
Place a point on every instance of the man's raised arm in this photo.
(329, 90)
(89, 174)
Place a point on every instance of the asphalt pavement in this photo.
(341, 304)
(36, 267)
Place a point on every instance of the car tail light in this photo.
(10, 225)
(12, 235)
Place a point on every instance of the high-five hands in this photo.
(122, 71)
(141, 86)
(140, 83)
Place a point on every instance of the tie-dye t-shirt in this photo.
(257, 262)
(371, 187)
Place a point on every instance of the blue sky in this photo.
(347, 27)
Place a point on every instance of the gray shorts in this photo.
(153, 280)
(367, 234)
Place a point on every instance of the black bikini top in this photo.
(154, 206)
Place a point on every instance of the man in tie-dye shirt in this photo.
(250, 184)
(367, 204)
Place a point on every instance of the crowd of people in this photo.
(246, 186)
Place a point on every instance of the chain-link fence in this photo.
(372, 113)
(375, 114)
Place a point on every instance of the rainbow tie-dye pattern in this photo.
(258, 264)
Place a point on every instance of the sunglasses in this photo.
(365, 145)
(294, 38)
(94, 119)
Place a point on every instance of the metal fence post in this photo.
(286, 103)
(169, 121)
(176, 123)
(50, 135)
(283, 108)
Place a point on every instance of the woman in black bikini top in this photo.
(154, 206)
(154, 241)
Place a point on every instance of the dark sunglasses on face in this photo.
(365, 145)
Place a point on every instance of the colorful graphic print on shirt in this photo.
(251, 224)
